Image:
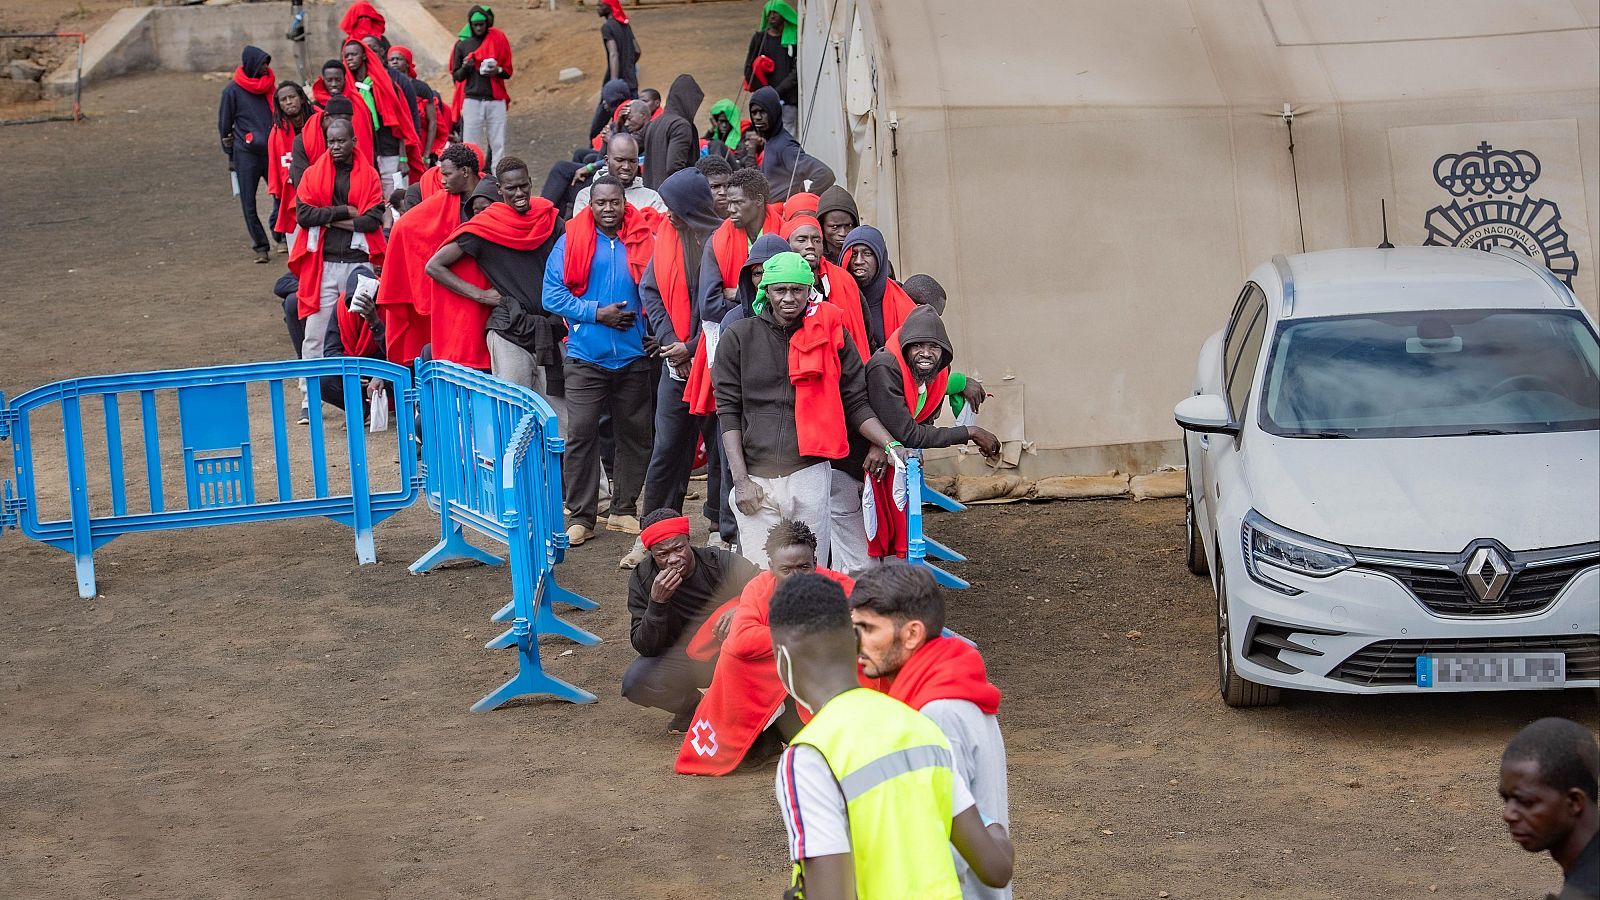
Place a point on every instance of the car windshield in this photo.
(1433, 373)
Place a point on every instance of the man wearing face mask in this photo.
(671, 594)
(899, 618)
(789, 390)
(743, 716)
(868, 789)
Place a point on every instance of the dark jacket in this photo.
(244, 119)
(837, 199)
(688, 195)
(669, 141)
(754, 393)
(872, 291)
(886, 388)
(613, 94)
(785, 77)
(657, 628)
(782, 152)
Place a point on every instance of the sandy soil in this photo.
(247, 712)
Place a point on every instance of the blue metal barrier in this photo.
(218, 453)
(494, 466)
(920, 547)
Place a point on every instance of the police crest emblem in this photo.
(1493, 208)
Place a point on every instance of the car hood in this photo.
(1528, 491)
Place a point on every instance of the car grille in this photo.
(1445, 592)
(1395, 662)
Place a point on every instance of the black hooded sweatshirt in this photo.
(688, 194)
(243, 118)
(782, 152)
(670, 143)
(886, 388)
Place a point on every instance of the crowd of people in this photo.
(693, 298)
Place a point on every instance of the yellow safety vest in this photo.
(894, 767)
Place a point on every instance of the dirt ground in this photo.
(246, 712)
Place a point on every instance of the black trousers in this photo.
(251, 168)
(671, 681)
(672, 457)
(625, 393)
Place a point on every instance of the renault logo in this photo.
(1487, 575)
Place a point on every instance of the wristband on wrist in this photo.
(889, 447)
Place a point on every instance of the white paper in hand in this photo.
(379, 419)
(710, 332)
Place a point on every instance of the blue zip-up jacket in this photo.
(609, 282)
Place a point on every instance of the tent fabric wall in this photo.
(1092, 181)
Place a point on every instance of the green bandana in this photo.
(477, 15)
(791, 20)
(726, 107)
(783, 268)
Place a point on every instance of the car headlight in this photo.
(1268, 545)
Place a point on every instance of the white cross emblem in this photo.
(703, 732)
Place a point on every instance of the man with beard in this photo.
(836, 210)
(495, 260)
(868, 789)
(480, 64)
(671, 595)
(898, 614)
(1548, 778)
(789, 389)
(592, 279)
(292, 109)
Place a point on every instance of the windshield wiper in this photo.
(1329, 434)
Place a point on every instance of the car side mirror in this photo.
(1205, 414)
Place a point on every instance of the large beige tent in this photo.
(1093, 180)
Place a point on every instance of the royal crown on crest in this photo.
(1486, 171)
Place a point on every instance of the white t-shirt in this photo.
(813, 805)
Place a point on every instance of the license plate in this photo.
(1492, 671)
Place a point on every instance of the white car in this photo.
(1394, 477)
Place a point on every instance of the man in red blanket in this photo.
(291, 111)
(490, 311)
(398, 148)
(789, 392)
(339, 210)
(743, 713)
(906, 653)
(480, 64)
(405, 293)
(676, 593)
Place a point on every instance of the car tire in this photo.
(1194, 554)
(1236, 691)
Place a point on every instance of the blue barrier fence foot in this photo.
(546, 622)
(505, 613)
(948, 504)
(507, 638)
(531, 681)
(937, 550)
(450, 549)
(559, 594)
(945, 579)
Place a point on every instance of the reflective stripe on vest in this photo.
(894, 768)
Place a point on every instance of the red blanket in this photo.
(390, 104)
(316, 189)
(280, 154)
(672, 280)
(638, 234)
(890, 537)
(944, 668)
(814, 371)
(897, 304)
(361, 20)
(845, 294)
(495, 46)
(458, 322)
(405, 292)
(745, 693)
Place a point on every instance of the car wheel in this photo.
(1236, 691)
(1194, 555)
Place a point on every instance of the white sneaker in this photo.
(715, 540)
(577, 533)
(635, 556)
